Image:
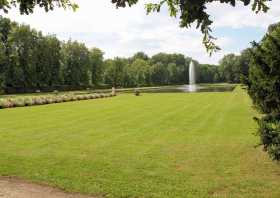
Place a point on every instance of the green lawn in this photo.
(158, 145)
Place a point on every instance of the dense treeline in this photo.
(235, 68)
(31, 61)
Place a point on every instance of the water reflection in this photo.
(186, 89)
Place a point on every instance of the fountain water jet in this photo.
(192, 78)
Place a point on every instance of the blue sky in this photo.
(242, 36)
(123, 32)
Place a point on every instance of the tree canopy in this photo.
(27, 6)
(188, 11)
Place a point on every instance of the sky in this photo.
(125, 31)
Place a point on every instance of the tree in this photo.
(5, 29)
(48, 65)
(22, 58)
(96, 65)
(159, 74)
(140, 55)
(243, 64)
(264, 88)
(138, 72)
(235, 68)
(228, 66)
(208, 73)
(115, 71)
(76, 64)
(30, 60)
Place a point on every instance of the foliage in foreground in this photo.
(264, 88)
(30, 101)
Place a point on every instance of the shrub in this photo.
(58, 99)
(73, 98)
(137, 92)
(1, 103)
(19, 102)
(6, 103)
(92, 96)
(65, 98)
(11, 103)
(28, 101)
(80, 97)
(269, 131)
(49, 100)
(43, 100)
(37, 101)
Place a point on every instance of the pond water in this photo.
(186, 88)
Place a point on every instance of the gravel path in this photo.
(15, 188)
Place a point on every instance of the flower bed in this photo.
(42, 100)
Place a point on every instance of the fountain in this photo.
(192, 78)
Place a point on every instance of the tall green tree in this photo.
(76, 64)
(160, 74)
(208, 73)
(5, 29)
(139, 73)
(21, 70)
(229, 68)
(115, 71)
(96, 65)
(264, 88)
(48, 65)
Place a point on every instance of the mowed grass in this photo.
(157, 145)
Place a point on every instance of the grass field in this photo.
(158, 145)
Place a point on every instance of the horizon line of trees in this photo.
(32, 61)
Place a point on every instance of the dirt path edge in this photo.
(11, 187)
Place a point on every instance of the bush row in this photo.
(42, 100)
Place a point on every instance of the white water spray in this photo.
(192, 77)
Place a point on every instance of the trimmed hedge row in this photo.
(42, 100)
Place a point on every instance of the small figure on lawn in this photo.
(137, 92)
(113, 91)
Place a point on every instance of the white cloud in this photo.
(122, 32)
(241, 16)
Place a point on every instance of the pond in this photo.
(184, 88)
